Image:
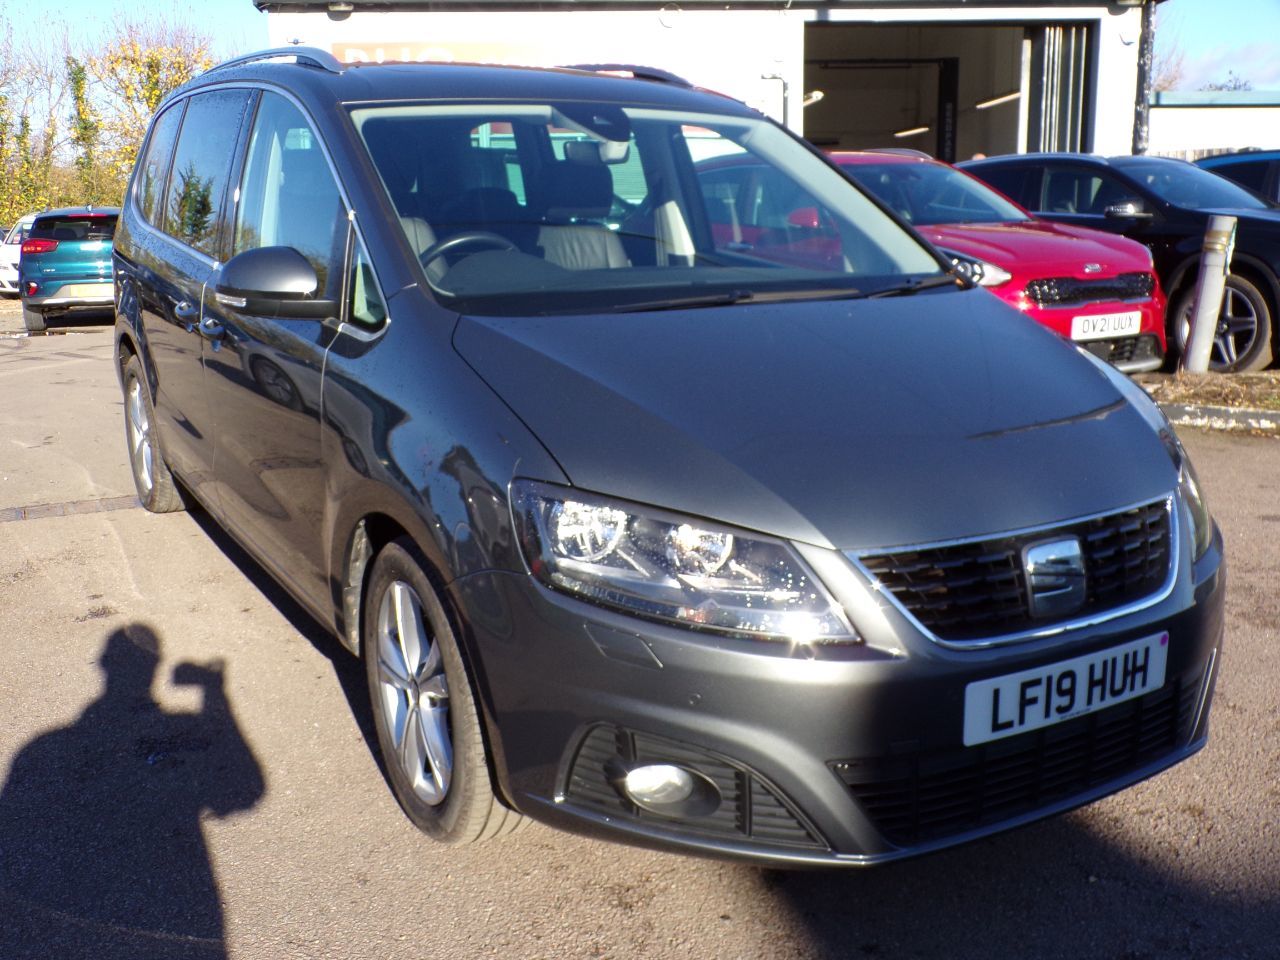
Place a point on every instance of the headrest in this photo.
(577, 190)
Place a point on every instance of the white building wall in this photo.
(752, 55)
(1193, 132)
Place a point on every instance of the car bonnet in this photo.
(850, 424)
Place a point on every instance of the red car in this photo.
(1096, 288)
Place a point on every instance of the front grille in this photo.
(930, 796)
(1125, 349)
(1070, 291)
(750, 808)
(977, 590)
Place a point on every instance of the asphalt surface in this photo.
(187, 768)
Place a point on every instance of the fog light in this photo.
(32, 288)
(658, 784)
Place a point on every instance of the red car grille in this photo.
(1069, 291)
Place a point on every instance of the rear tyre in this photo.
(1242, 340)
(33, 319)
(426, 717)
(156, 487)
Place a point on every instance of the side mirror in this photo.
(1126, 210)
(273, 282)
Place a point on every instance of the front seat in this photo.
(574, 191)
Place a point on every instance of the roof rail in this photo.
(307, 56)
(640, 73)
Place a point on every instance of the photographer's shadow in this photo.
(101, 849)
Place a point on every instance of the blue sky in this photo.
(1213, 36)
(1217, 36)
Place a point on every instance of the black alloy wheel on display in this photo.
(1242, 339)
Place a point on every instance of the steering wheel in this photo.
(465, 239)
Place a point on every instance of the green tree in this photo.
(139, 66)
(84, 130)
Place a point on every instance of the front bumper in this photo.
(841, 755)
(1138, 352)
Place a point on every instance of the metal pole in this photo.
(1215, 261)
(1142, 98)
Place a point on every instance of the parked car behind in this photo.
(10, 252)
(1094, 288)
(65, 265)
(639, 533)
(1166, 205)
(1255, 170)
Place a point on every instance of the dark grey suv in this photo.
(732, 523)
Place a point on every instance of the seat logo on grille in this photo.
(1093, 268)
(1055, 577)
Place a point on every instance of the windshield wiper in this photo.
(915, 286)
(742, 296)
(688, 302)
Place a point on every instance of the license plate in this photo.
(1005, 706)
(1101, 325)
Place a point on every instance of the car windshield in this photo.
(524, 209)
(931, 193)
(1186, 185)
(74, 226)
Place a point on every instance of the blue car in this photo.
(65, 264)
(1257, 170)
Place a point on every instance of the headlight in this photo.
(1193, 497)
(1188, 485)
(979, 271)
(662, 566)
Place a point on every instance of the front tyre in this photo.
(426, 717)
(157, 489)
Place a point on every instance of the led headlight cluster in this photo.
(659, 565)
(978, 271)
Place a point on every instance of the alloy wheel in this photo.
(140, 449)
(414, 693)
(1235, 333)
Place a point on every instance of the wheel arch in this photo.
(369, 535)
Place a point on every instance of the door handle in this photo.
(211, 329)
(187, 312)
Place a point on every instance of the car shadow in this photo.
(1058, 889)
(102, 853)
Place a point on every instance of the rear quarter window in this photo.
(153, 169)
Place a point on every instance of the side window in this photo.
(154, 168)
(367, 308)
(1077, 190)
(288, 197)
(194, 202)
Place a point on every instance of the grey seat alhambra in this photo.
(728, 520)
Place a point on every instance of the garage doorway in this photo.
(949, 90)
